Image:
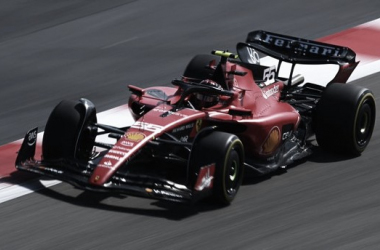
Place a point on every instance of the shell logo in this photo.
(134, 136)
(272, 141)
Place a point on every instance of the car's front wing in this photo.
(141, 185)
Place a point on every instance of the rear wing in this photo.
(299, 50)
(296, 50)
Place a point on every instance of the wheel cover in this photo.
(233, 171)
(232, 176)
(364, 124)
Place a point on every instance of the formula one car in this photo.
(226, 113)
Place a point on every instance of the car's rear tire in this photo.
(197, 67)
(227, 153)
(345, 118)
(68, 132)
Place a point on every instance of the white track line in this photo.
(10, 192)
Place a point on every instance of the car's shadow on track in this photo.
(122, 204)
(321, 156)
(104, 201)
(318, 156)
(163, 209)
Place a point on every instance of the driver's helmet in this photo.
(207, 100)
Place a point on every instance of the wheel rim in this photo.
(233, 171)
(364, 124)
(232, 176)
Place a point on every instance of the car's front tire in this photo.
(226, 152)
(69, 132)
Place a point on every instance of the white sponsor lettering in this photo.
(127, 144)
(117, 152)
(253, 56)
(32, 137)
(107, 164)
(122, 148)
(113, 157)
(271, 91)
(169, 112)
(147, 126)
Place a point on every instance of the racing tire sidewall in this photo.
(364, 122)
(226, 152)
(66, 135)
(343, 111)
(228, 176)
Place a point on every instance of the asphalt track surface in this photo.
(52, 51)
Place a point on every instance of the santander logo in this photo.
(271, 91)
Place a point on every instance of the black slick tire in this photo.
(345, 118)
(227, 153)
(68, 133)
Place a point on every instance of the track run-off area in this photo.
(326, 202)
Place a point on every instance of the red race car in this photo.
(226, 113)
